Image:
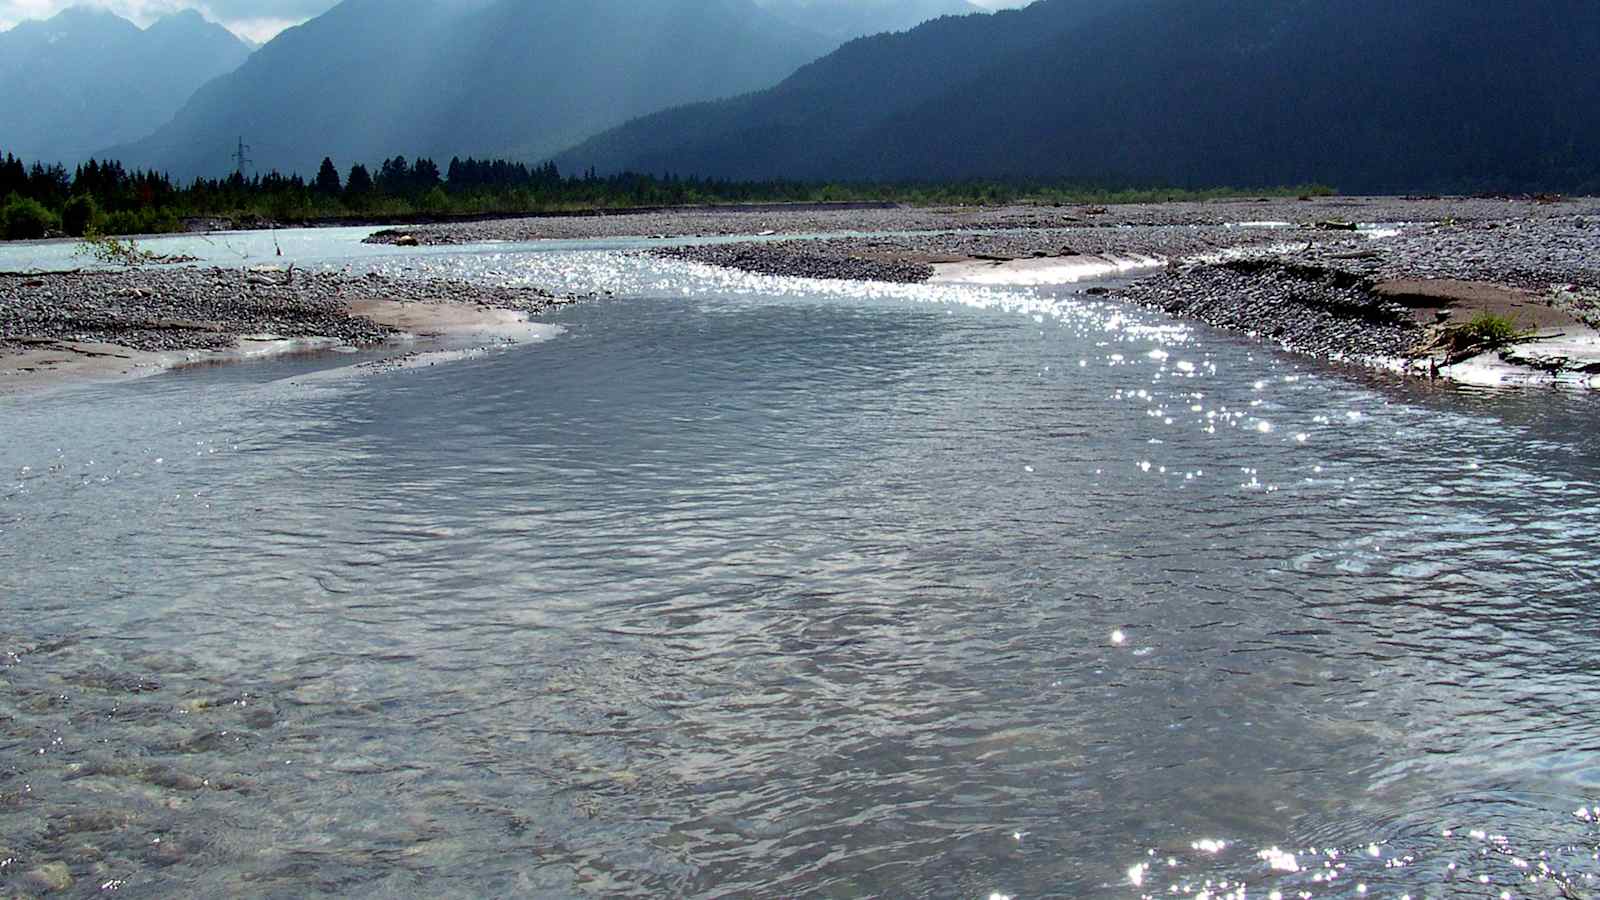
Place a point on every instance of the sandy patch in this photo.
(54, 361)
(1039, 271)
(43, 364)
(1464, 300)
(442, 319)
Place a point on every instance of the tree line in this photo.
(104, 197)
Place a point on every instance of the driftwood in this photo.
(40, 273)
(1451, 344)
(264, 277)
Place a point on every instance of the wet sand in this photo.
(100, 326)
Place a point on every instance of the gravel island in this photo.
(1399, 282)
(120, 322)
(1395, 281)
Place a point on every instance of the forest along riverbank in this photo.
(107, 324)
(1496, 290)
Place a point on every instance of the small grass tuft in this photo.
(1492, 332)
(1486, 332)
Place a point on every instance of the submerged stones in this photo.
(84, 823)
(117, 781)
(50, 877)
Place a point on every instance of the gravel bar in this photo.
(166, 309)
(1297, 272)
(1328, 299)
(1319, 312)
(793, 220)
(910, 258)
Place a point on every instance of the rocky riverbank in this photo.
(1308, 310)
(115, 322)
(914, 258)
(1385, 279)
(1426, 295)
(1400, 282)
(884, 220)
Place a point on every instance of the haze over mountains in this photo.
(85, 79)
(374, 78)
(846, 19)
(1368, 96)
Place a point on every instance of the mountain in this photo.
(85, 78)
(1367, 95)
(846, 19)
(373, 78)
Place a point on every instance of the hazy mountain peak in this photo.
(182, 17)
(442, 78)
(86, 78)
(85, 13)
(83, 22)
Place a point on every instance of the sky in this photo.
(257, 20)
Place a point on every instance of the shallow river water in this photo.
(748, 587)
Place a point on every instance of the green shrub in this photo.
(80, 215)
(115, 251)
(435, 201)
(141, 221)
(25, 219)
(1492, 331)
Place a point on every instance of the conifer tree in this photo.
(359, 183)
(327, 182)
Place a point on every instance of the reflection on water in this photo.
(757, 587)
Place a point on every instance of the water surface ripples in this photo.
(767, 587)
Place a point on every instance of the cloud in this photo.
(258, 20)
(286, 10)
(260, 28)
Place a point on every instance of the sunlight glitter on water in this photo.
(1478, 861)
(801, 588)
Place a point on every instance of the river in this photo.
(757, 587)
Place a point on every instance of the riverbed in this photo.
(774, 587)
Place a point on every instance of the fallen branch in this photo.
(39, 273)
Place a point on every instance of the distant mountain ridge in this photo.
(847, 19)
(1367, 95)
(86, 78)
(440, 78)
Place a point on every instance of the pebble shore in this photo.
(909, 259)
(1307, 310)
(1314, 275)
(167, 309)
(1333, 299)
(1311, 282)
(813, 220)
